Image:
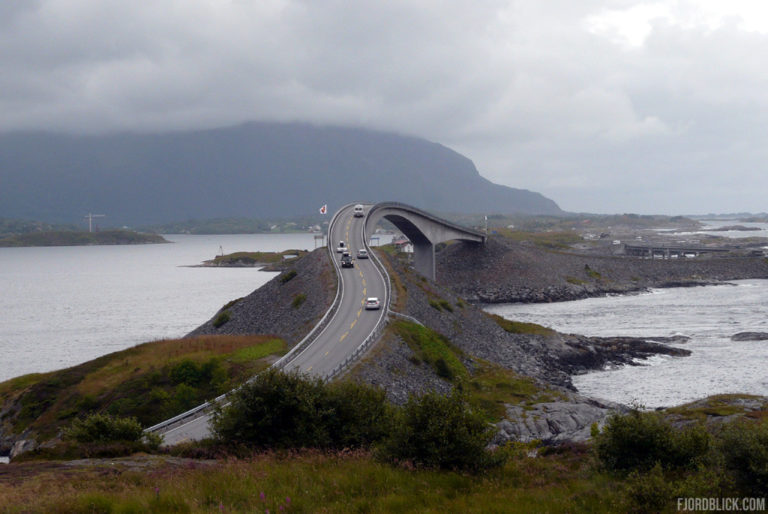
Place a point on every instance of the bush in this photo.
(104, 428)
(437, 431)
(298, 300)
(288, 275)
(279, 410)
(639, 440)
(275, 410)
(222, 318)
(744, 448)
(357, 415)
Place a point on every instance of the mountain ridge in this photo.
(254, 170)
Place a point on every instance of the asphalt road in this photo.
(349, 327)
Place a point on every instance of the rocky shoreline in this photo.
(503, 271)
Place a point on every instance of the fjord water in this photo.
(62, 306)
(708, 315)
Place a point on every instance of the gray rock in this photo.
(554, 421)
(750, 336)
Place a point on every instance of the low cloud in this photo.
(605, 106)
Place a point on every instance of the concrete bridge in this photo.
(424, 230)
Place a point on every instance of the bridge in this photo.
(347, 330)
(423, 229)
(670, 252)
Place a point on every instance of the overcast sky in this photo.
(601, 105)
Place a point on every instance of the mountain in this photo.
(256, 170)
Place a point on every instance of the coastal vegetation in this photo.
(247, 259)
(81, 238)
(151, 382)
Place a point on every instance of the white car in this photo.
(362, 254)
(342, 247)
(372, 303)
(358, 211)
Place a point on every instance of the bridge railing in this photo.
(198, 411)
(430, 216)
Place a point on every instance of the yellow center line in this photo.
(342, 337)
(353, 324)
(361, 273)
(326, 353)
(362, 302)
(309, 368)
(359, 312)
(364, 290)
(363, 282)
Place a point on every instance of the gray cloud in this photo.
(660, 112)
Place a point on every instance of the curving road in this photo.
(347, 329)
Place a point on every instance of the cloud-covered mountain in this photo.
(256, 170)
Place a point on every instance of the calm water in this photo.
(65, 305)
(709, 315)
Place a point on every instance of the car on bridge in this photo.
(346, 261)
(358, 211)
(342, 247)
(372, 304)
(362, 254)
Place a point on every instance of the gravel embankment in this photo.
(506, 272)
(276, 307)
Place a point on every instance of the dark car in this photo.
(346, 261)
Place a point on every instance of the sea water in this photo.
(61, 306)
(708, 315)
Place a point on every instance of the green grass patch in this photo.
(592, 273)
(252, 353)
(519, 327)
(720, 405)
(575, 281)
(434, 349)
(298, 300)
(151, 382)
(288, 275)
(493, 386)
(547, 240)
(221, 319)
(344, 482)
(256, 258)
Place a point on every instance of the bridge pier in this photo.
(422, 229)
(424, 259)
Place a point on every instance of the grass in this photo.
(316, 482)
(434, 349)
(492, 386)
(255, 258)
(575, 281)
(519, 327)
(547, 240)
(720, 405)
(298, 299)
(137, 382)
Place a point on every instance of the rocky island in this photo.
(81, 238)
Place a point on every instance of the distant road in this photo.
(349, 327)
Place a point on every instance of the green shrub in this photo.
(288, 275)
(744, 448)
(298, 300)
(104, 428)
(437, 431)
(435, 305)
(639, 440)
(648, 492)
(279, 410)
(357, 415)
(275, 410)
(222, 318)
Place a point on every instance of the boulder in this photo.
(750, 336)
